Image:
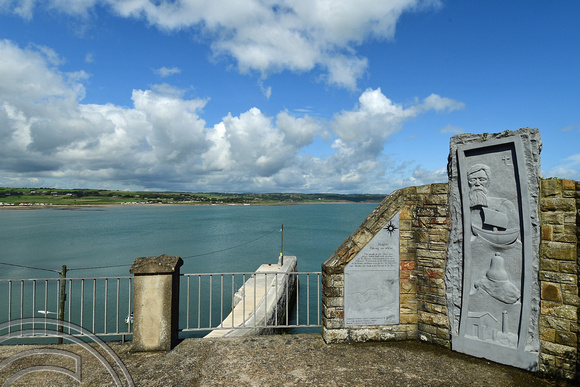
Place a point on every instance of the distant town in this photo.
(42, 197)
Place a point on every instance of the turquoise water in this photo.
(96, 237)
(104, 242)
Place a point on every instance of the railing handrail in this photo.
(253, 272)
(66, 278)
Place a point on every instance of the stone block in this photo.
(440, 188)
(566, 365)
(436, 199)
(555, 309)
(362, 238)
(555, 323)
(571, 299)
(433, 319)
(408, 318)
(557, 204)
(566, 338)
(333, 292)
(407, 308)
(551, 292)
(549, 265)
(333, 313)
(551, 188)
(558, 350)
(408, 298)
(547, 360)
(568, 267)
(548, 334)
(408, 265)
(424, 253)
(552, 218)
(424, 189)
(333, 301)
(335, 336)
(570, 288)
(569, 184)
(407, 286)
(547, 232)
(443, 334)
(441, 342)
(558, 250)
(562, 278)
(333, 323)
(364, 335)
(421, 236)
(411, 330)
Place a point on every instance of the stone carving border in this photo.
(526, 146)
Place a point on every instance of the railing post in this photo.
(155, 302)
(62, 300)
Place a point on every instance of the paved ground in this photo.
(280, 360)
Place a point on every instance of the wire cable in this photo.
(233, 247)
(29, 267)
(127, 265)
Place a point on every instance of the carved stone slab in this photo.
(371, 280)
(492, 273)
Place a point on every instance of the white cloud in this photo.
(165, 72)
(567, 169)
(162, 141)
(265, 36)
(452, 129)
(90, 57)
(570, 128)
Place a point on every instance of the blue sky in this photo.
(277, 96)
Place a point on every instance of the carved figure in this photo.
(493, 219)
(494, 304)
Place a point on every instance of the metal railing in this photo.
(101, 305)
(207, 299)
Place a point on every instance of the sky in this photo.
(312, 96)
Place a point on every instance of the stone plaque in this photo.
(498, 250)
(371, 280)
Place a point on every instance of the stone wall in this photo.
(559, 204)
(424, 229)
(424, 235)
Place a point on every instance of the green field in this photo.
(36, 197)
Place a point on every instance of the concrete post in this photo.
(155, 302)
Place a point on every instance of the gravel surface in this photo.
(279, 360)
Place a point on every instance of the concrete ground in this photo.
(278, 360)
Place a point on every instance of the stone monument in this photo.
(371, 280)
(492, 267)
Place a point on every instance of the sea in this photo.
(102, 242)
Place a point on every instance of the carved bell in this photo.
(497, 270)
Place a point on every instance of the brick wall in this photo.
(424, 231)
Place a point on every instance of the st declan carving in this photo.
(493, 301)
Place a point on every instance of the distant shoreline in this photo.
(103, 205)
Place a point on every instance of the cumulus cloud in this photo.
(162, 141)
(264, 36)
(165, 72)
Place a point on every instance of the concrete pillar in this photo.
(155, 302)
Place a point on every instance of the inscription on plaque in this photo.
(371, 280)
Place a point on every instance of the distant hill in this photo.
(86, 197)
